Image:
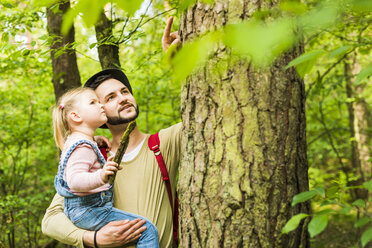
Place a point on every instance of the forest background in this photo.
(335, 64)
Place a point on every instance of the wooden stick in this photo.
(122, 147)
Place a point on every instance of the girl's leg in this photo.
(148, 239)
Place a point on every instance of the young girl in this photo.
(81, 179)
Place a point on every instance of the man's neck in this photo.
(135, 138)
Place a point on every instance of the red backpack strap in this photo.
(103, 151)
(154, 145)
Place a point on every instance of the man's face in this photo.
(119, 104)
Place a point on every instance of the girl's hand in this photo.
(109, 169)
(102, 141)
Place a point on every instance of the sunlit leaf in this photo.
(368, 185)
(309, 56)
(366, 72)
(319, 18)
(293, 7)
(293, 222)
(340, 51)
(262, 43)
(68, 20)
(361, 5)
(90, 12)
(193, 54)
(359, 203)
(43, 3)
(366, 236)
(7, 5)
(362, 221)
(304, 196)
(317, 224)
(129, 6)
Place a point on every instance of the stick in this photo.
(122, 147)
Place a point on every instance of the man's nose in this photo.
(122, 98)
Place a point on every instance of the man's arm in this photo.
(57, 225)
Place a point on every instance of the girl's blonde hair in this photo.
(64, 106)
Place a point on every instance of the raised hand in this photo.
(170, 39)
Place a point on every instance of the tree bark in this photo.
(108, 50)
(65, 69)
(359, 122)
(244, 143)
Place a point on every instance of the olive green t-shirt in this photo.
(138, 189)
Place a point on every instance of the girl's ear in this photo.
(75, 117)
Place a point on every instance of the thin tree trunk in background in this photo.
(359, 122)
(244, 144)
(108, 53)
(65, 69)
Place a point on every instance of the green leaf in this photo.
(129, 6)
(368, 185)
(362, 221)
(25, 52)
(317, 224)
(366, 236)
(359, 203)
(340, 51)
(7, 5)
(306, 57)
(293, 222)
(293, 7)
(43, 3)
(362, 5)
(68, 20)
(261, 42)
(193, 54)
(5, 37)
(363, 74)
(304, 196)
(92, 45)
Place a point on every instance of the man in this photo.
(138, 187)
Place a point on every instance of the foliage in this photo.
(333, 32)
(28, 157)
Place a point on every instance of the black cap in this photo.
(115, 73)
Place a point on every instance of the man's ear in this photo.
(75, 117)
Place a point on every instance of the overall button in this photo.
(103, 194)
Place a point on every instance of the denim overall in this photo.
(93, 211)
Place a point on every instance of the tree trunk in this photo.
(244, 144)
(359, 122)
(65, 70)
(108, 51)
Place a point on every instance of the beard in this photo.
(117, 120)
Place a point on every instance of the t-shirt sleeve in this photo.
(170, 146)
(56, 225)
(79, 176)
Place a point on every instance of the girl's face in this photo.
(91, 110)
